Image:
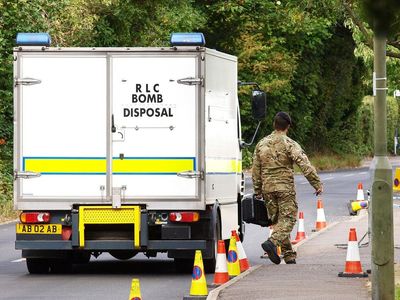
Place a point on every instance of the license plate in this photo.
(39, 228)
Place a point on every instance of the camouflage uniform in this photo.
(273, 177)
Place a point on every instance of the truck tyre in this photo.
(122, 254)
(61, 266)
(209, 264)
(37, 265)
(81, 257)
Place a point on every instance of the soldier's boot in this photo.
(271, 250)
(290, 262)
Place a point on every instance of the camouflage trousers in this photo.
(282, 210)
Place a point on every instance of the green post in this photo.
(382, 258)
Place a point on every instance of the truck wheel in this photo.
(209, 264)
(37, 265)
(123, 255)
(61, 266)
(81, 257)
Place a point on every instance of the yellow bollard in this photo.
(199, 283)
(233, 260)
(135, 290)
(396, 181)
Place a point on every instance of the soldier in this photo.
(274, 181)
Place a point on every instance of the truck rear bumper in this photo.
(103, 245)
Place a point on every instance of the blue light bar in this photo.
(33, 39)
(187, 39)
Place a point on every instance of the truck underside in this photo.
(123, 233)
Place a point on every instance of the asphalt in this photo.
(315, 276)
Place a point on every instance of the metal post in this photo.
(382, 258)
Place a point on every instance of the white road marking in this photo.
(362, 173)
(328, 178)
(18, 260)
(348, 175)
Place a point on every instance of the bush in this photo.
(364, 130)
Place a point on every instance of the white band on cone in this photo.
(241, 253)
(353, 253)
(320, 215)
(360, 195)
(301, 225)
(221, 267)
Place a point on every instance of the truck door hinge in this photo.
(26, 175)
(191, 174)
(191, 81)
(26, 81)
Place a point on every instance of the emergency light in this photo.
(33, 39)
(187, 39)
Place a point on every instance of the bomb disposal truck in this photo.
(125, 150)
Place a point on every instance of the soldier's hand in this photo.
(319, 191)
(259, 197)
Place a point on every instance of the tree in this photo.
(356, 13)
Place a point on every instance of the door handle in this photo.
(26, 175)
(113, 128)
(191, 174)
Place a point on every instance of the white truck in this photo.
(125, 150)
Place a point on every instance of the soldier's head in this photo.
(282, 121)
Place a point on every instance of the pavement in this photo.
(315, 276)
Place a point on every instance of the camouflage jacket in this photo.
(273, 161)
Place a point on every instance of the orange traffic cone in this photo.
(301, 235)
(221, 269)
(243, 260)
(353, 263)
(321, 221)
(233, 262)
(360, 192)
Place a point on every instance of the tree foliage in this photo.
(301, 52)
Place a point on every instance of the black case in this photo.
(254, 211)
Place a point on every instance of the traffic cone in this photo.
(301, 235)
(353, 263)
(221, 269)
(321, 221)
(396, 181)
(357, 205)
(360, 192)
(243, 260)
(199, 283)
(233, 262)
(135, 290)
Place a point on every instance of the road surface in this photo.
(108, 278)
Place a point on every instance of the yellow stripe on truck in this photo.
(98, 165)
(152, 165)
(223, 166)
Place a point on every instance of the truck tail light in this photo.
(66, 233)
(35, 217)
(184, 216)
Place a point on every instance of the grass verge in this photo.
(329, 162)
(7, 212)
(6, 191)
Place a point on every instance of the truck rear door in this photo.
(61, 128)
(155, 124)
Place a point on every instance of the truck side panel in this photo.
(223, 156)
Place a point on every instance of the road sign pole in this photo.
(382, 263)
